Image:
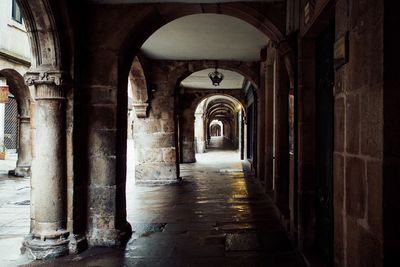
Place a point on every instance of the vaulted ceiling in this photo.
(206, 37)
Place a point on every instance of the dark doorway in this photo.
(324, 142)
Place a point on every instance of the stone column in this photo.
(48, 237)
(269, 127)
(3, 83)
(199, 124)
(24, 152)
(281, 137)
(187, 138)
(261, 125)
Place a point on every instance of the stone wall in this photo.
(358, 136)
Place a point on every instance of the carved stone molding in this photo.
(141, 109)
(48, 84)
(38, 77)
(24, 119)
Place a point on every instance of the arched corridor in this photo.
(195, 133)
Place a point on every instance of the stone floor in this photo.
(14, 213)
(216, 216)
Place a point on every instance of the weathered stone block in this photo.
(375, 197)
(167, 126)
(338, 182)
(341, 25)
(339, 240)
(94, 70)
(352, 243)
(148, 155)
(102, 142)
(155, 140)
(102, 169)
(372, 122)
(341, 80)
(353, 124)
(355, 187)
(169, 155)
(188, 155)
(99, 94)
(102, 201)
(339, 124)
(103, 116)
(366, 46)
(155, 173)
(146, 126)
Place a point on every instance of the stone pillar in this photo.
(156, 140)
(48, 237)
(281, 137)
(3, 83)
(260, 168)
(269, 126)
(187, 137)
(199, 124)
(24, 152)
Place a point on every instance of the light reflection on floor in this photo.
(217, 216)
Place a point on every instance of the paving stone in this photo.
(242, 241)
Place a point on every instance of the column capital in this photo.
(48, 83)
(141, 109)
(36, 77)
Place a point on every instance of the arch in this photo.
(19, 89)
(216, 128)
(51, 35)
(137, 79)
(42, 32)
(238, 104)
(206, 112)
(160, 15)
(23, 97)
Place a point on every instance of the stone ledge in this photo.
(109, 237)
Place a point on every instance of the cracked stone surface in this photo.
(211, 218)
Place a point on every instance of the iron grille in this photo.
(11, 125)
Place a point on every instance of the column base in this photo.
(45, 248)
(109, 237)
(158, 182)
(155, 173)
(200, 146)
(77, 244)
(20, 171)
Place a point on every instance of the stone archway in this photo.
(191, 117)
(23, 97)
(105, 87)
